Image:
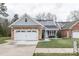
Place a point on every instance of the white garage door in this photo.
(26, 34)
(75, 34)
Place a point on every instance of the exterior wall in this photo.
(66, 33)
(12, 33)
(76, 27)
(14, 28)
(40, 34)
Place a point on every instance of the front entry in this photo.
(51, 33)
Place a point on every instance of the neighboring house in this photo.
(70, 30)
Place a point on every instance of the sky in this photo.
(62, 10)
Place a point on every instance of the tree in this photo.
(3, 9)
(50, 16)
(4, 30)
(47, 16)
(15, 18)
(1, 31)
(41, 16)
(74, 15)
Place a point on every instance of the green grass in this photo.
(55, 54)
(56, 43)
(3, 39)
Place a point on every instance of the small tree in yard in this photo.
(59, 34)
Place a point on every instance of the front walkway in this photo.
(54, 50)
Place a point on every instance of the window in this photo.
(33, 31)
(17, 31)
(48, 32)
(25, 19)
(54, 32)
(28, 31)
(22, 31)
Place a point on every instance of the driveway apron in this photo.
(17, 50)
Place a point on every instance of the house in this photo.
(29, 29)
(70, 30)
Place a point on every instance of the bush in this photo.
(59, 34)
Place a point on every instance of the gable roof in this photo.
(19, 22)
(48, 23)
(69, 25)
(62, 23)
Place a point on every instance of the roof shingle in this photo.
(68, 25)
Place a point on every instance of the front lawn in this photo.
(56, 43)
(55, 54)
(3, 39)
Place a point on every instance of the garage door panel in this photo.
(31, 36)
(19, 36)
(26, 35)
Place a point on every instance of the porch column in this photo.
(67, 34)
(56, 34)
(46, 36)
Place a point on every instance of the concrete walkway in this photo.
(54, 50)
(16, 50)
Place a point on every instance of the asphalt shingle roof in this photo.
(51, 26)
(62, 23)
(68, 25)
(25, 23)
(48, 23)
(28, 23)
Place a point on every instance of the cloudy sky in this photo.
(62, 10)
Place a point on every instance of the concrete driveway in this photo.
(16, 50)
